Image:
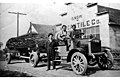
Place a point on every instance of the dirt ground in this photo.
(63, 70)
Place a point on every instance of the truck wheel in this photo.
(34, 59)
(8, 58)
(109, 59)
(106, 61)
(79, 63)
(27, 60)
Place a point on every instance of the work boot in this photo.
(47, 69)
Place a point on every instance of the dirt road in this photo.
(64, 70)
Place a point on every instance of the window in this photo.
(92, 30)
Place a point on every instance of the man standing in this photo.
(50, 47)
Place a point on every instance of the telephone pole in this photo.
(17, 20)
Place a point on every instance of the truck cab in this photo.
(84, 52)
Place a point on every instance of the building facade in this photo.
(103, 22)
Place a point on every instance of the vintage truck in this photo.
(85, 52)
(30, 47)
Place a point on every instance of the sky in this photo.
(44, 12)
(47, 13)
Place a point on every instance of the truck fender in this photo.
(71, 52)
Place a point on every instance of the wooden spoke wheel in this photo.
(79, 63)
(106, 60)
(8, 58)
(34, 59)
(109, 59)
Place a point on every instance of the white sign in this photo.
(82, 24)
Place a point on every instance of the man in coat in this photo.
(50, 47)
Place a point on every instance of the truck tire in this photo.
(106, 61)
(34, 59)
(8, 58)
(110, 59)
(79, 63)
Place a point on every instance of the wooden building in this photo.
(103, 22)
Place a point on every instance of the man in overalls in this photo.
(63, 35)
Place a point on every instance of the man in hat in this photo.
(63, 35)
(50, 48)
(75, 34)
